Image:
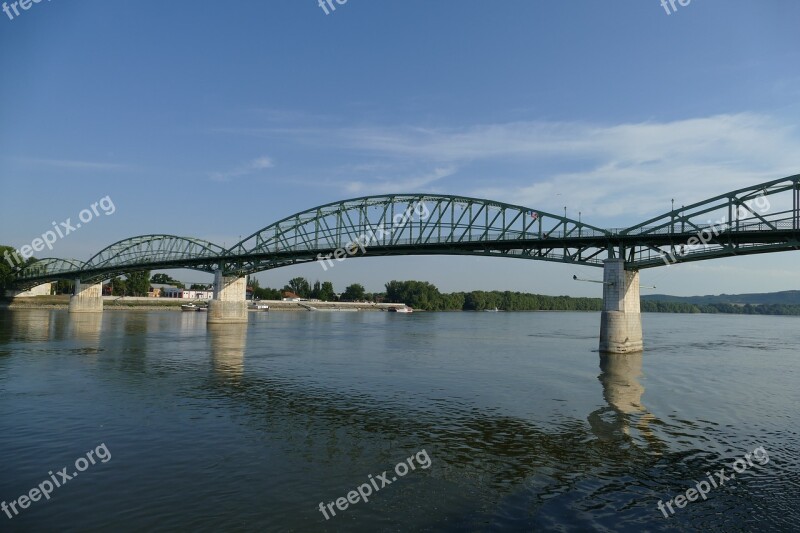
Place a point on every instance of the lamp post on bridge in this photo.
(672, 223)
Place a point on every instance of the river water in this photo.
(512, 421)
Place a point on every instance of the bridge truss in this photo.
(758, 219)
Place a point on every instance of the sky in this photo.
(214, 119)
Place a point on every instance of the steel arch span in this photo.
(144, 252)
(50, 266)
(758, 219)
(154, 249)
(405, 224)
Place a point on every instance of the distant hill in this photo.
(764, 298)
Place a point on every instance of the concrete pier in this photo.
(621, 319)
(229, 305)
(86, 298)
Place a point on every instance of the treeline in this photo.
(425, 296)
(733, 309)
(318, 291)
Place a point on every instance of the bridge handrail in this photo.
(782, 223)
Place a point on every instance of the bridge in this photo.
(763, 218)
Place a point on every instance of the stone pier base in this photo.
(229, 305)
(621, 319)
(86, 298)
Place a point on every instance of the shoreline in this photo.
(142, 304)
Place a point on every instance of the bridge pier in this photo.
(86, 298)
(621, 319)
(229, 305)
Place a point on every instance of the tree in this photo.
(316, 290)
(266, 293)
(417, 294)
(118, 286)
(138, 283)
(354, 292)
(326, 292)
(160, 278)
(9, 266)
(300, 287)
(5, 268)
(164, 279)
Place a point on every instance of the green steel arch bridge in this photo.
(759, 219)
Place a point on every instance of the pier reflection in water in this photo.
(227, 345)
(32, 325)
(86, 327)
(622, 390)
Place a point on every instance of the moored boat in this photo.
(404, 309)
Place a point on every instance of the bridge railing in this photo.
(787, 223)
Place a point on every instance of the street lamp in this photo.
(672, 216)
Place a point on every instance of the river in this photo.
(503, 421)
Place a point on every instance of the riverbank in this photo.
(112, 303)
(169, 304)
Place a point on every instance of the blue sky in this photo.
(214, 119)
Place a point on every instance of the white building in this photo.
(186, 294)
(45, 289)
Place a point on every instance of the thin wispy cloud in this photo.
(245, 169)
(402, 184)
(70, 163)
